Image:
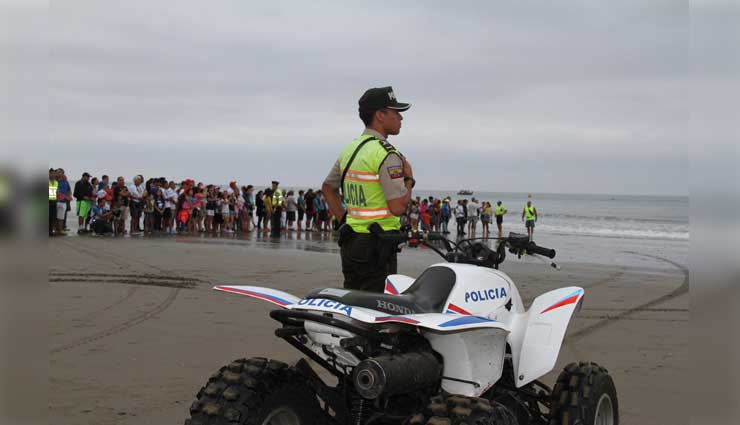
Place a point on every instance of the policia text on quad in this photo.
(376, 182)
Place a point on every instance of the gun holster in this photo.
(380, 249)
(345, 232)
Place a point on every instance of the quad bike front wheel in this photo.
(584, 395)
(255, 391)
(461, 410)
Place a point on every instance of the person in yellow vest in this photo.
(500, 212)
(277, 209)
(376, 182)
(529, 217)
(53, 186)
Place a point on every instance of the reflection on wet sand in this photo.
(305, 241)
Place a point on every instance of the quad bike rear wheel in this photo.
(461, 410)
(255, 391)
(584, 395)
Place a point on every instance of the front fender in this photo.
(539, 335)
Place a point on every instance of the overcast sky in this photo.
(578, 96)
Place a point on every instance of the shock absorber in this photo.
(359, 410)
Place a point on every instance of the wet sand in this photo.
(136, 329)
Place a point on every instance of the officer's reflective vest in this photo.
(500, 210)
(277, 199)
(53, 185)
(362, 191)
(529, 212)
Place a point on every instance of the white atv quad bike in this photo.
(453, 346)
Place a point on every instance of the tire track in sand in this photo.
(120, 327)
(140, 318)
(682, 289)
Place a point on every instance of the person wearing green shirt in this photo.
(529, 217)
(500, 212)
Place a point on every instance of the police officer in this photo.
(277, 209)
(376, 182)
(529, 216)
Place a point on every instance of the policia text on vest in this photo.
(375, 181)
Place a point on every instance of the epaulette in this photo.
(387, 146)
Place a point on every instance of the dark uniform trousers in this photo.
(275, 225)
(360, 264)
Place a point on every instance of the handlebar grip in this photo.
(532, 248)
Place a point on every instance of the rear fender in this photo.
(283, 299)
(539, 333)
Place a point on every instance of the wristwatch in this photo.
(411, 179)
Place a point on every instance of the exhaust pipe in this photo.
(399, 374)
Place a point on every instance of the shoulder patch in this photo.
(387, 146)
(395, 171)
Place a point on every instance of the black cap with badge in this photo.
(378, 98)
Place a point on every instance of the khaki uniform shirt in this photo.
(393, 187)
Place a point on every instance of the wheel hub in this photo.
(282, 415)
(604, 411)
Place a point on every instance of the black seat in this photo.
(428, 294)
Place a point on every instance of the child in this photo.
(158, 209)
(210, 208)
(184, 205)
(101, 218)
(149, 207)
(218, 217)
(260, 208)
(226, 207)
(122, 210)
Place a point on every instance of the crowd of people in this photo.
(162, 206)
(433, 214)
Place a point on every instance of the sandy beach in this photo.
(136, 329)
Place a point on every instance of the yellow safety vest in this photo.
(529, 212)
(363, 194)
(500, 210)
(277, 198)
(53, 185)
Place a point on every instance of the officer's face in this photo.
(391, 120)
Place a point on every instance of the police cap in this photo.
(378, 98)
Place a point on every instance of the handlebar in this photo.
(540, 250)
(467, 251)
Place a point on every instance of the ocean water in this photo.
(623, 230)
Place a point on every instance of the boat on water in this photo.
(465, 192)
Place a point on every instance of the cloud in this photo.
(502, 80)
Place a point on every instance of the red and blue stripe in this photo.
(390, 287)
(400, 319)
(267, 297)
(570, 299)
(452, 308)
(466, 320)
